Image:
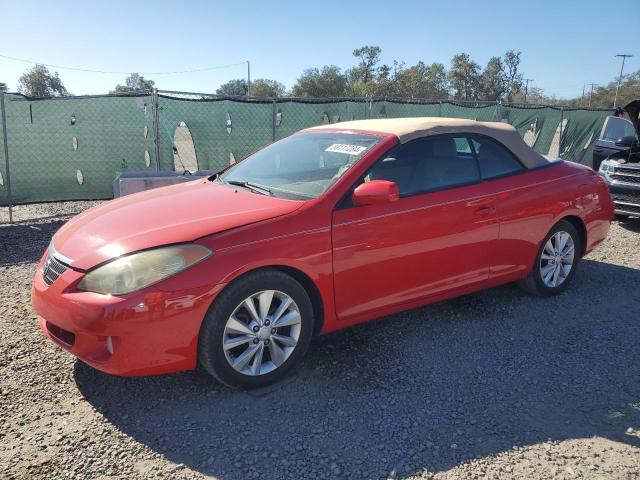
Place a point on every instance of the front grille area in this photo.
(52, 269)
(631, 170)
(627, 197)
(627, 208)
(626, 178)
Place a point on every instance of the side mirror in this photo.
(626, 142)
(375, 192)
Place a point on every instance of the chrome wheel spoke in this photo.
(236, 326)
(284, 305)
(264, 301)
(548, 249)
(291, 318)
(257, 360)
(556, 275)
(237, 341)
(277, 354)
(245, 357)
(562, 241)
(284, 340)
(251, 308)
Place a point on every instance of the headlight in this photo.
(606, 166)
(139, 270)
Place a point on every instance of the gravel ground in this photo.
(491, 385)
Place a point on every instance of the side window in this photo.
(494, 159)
(428, 163)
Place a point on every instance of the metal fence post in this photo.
(156, 126)
(440, 108)
(561, 131)
(499, 111)
(273, 121)
(6, 156)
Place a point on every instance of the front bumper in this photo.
(148, 332)
(625, 196)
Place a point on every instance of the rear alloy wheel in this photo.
(556, 262)
(257, 330)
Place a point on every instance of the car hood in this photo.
(633, 110)
(178, 213)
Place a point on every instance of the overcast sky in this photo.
(564, 44)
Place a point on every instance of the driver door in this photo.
(435, 239)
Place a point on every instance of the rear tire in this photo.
(556, 261)
(257, 330)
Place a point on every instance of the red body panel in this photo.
(174, 214)
(365, 261)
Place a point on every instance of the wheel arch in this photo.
(581, 228)
(303, 279)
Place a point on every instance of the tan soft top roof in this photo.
(407, 129)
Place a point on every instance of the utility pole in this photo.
(526, 88)
(591, 92)
(248, 78)
(582, 97)
(624, 57)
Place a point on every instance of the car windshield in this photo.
(302, 166)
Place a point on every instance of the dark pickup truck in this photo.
(616, 156)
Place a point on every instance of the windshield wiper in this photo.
(251, 186)
(216, 176)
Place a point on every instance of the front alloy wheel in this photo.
(262, 332)
(257, 329)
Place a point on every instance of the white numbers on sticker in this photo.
(346, 149)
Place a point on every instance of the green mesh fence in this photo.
(72, 148)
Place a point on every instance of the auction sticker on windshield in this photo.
(346, 148)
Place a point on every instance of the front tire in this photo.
(257, 330)
(556, 261)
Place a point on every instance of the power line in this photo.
(77, 69)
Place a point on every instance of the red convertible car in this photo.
(330, 227)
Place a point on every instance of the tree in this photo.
(423, 81)
(492, 81)
(134, 82)
(629, 90)
(361, 79)
(39, 82)
(387, 83)
(237, 86)
(264, 87)
(3, 87)
(464, 77)
(511, 73)
(328, 82)
(369, 58)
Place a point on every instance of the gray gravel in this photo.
(491, 385)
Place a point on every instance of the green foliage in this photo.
(39, 82)
(422, 81)
(264, 87)
(511, 74)
(3, 87)
(492, 81)
(464, 76)
(134, 82)
(328, 82)
(237, 86)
